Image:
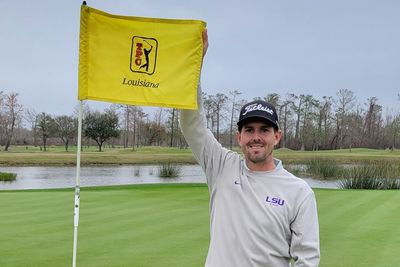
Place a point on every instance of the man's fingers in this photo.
(205, 42)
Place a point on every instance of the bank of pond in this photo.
(368, 174)
(325, 173)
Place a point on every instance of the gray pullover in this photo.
(264, 219)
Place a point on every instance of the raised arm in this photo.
(200, 139)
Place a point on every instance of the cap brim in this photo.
(250, 119)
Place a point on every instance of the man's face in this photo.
(257, 140)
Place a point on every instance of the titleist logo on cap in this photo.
(256, 106)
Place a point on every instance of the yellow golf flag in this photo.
(139, 61)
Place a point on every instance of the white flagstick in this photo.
(77, 188)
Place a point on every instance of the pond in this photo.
(64, 177)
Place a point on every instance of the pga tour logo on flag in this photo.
(144, 55)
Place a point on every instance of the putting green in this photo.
(167, 225)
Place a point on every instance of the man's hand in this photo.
(205, 42)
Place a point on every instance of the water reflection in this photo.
(64, 177)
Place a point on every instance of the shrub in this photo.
(373, 169)
(369, 183)
(371, 175)
(7, 176)
(136, 171)
(323, 168)
(169, 170)
(392, 184)
(360, 183)
(296, 170)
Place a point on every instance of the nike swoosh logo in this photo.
(237, 182)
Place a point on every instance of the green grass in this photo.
(167, 225)
(119, 226)
(359, 228)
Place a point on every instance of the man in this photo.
(260, 214)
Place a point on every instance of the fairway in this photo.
(167, 225)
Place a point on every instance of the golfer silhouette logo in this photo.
(143, 55)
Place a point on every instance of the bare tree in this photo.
(172, 124)
(208, 109)
(325, 110)
(159, 131)
(218, 102)
(344, 104)
(127, 112)
(12, 116)
(138, 117)
(297, 108)
(393, 129)
(284, 117)
(131, 120)
(66, 129)
(275, 100)
(354, 128)
(308, 130)
(46, 127)
(32, 118)
(372, 122)
(234, 109)
(154, 133)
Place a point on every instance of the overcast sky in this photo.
(256, 47)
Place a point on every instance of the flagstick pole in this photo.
(77, 188)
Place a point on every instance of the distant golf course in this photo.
(56, 155)
(167, 225)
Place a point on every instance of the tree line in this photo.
(307, 123)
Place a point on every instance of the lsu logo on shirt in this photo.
(275, 201)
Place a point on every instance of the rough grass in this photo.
(7, 176)
(370, 183)
(367, 174)
(373, 169)
(340, 156)
(110, 156)
(167, 225)
(379, 175)
(168, 170)
(323, 168)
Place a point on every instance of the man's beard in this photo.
(259, 157)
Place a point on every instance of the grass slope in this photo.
(167, 225)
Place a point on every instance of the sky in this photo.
(256, 47)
